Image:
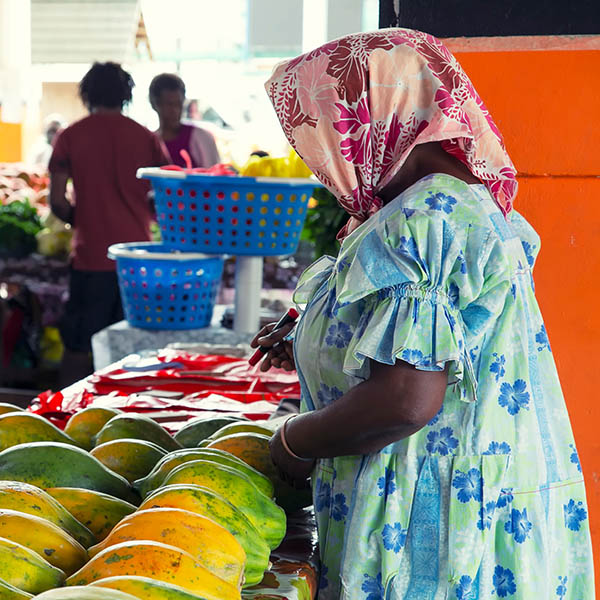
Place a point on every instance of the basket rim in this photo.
(157, 172)
(123, 250)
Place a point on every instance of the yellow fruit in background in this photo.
(26, 570)
(209, 543)
(158, 561)
(22, 427)
(26, 498)
(297, 167)
(43, 537)
(97, 511)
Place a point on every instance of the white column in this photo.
(314, 24)
(248, 285)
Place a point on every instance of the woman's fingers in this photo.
(264, 331)
(274, 337)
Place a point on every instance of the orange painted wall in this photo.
(547, 105)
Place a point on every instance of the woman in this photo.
(434, 427)
(167, 95)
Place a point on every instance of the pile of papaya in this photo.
(115, 507)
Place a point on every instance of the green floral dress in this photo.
(488, 499)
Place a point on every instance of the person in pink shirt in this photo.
(101, 154)
(167, 96)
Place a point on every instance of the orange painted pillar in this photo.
(546, 102)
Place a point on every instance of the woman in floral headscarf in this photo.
(434, 427)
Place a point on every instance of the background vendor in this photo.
(101, 153)
(167, 96)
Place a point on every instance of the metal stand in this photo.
(248, 285)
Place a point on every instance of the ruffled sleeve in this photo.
(406, 270)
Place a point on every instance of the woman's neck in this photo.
(425, 159)
(169, 132)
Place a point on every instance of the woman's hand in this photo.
(281, 352)
(291, 470)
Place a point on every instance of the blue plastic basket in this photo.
(164, 289)
(252, 216)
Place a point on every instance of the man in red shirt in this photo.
(101, 153)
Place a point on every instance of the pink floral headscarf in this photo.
(354, 109)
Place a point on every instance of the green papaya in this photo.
(23, 427)
(261, 511)
(86, 423)
(155, 478)
(196, 430)
(137, 427)
(6, 407)
(129, 458)
(232, 428)
(53, 464)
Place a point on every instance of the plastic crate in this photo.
(165, 289)
(252, 216)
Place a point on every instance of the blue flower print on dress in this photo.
(513, 290)
(518, 525)
(339, 508)
(408, 212)
(338, 335)
(394, 537)
(469, 485)
(528, 248)
(373, 587)
(506, 497)
(473, 354)
(327, 395)
(436, 418)
(386, 483)
(514, 397)
(453, 294)
(463, 262)
(504, 582)
(574, 513)
(408, 247)
(485, 515)
(561, 590)
(575, 457)
(441, 201)
(497, 367)
(322, 495)
(541, 337)
(414, 357)
(342, 264)
(498, 448)
(323, 582)
(441, 442)
(464, 589)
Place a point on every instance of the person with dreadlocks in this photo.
(433, 424)
(101, 154)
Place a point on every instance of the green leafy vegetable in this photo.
(19, 223)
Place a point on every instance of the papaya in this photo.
(84, 593)
(85, 424)
(54, 464)
(210, 544)
(26, 498)
(9, 592)
(196, 430)
(137, 427)
(43, 537)
(5, 407)
(26, 570)
(23, 427)
(261, 511)
(240, 428)
(162, 562)
(204, 501)
(129, 458)
(97, 511)
(145, 588)
(174, 459)
(252, 448)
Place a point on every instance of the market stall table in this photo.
(172, 387)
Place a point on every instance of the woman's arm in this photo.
(59, 205)
(395, 402)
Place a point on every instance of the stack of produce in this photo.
(116, 507)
